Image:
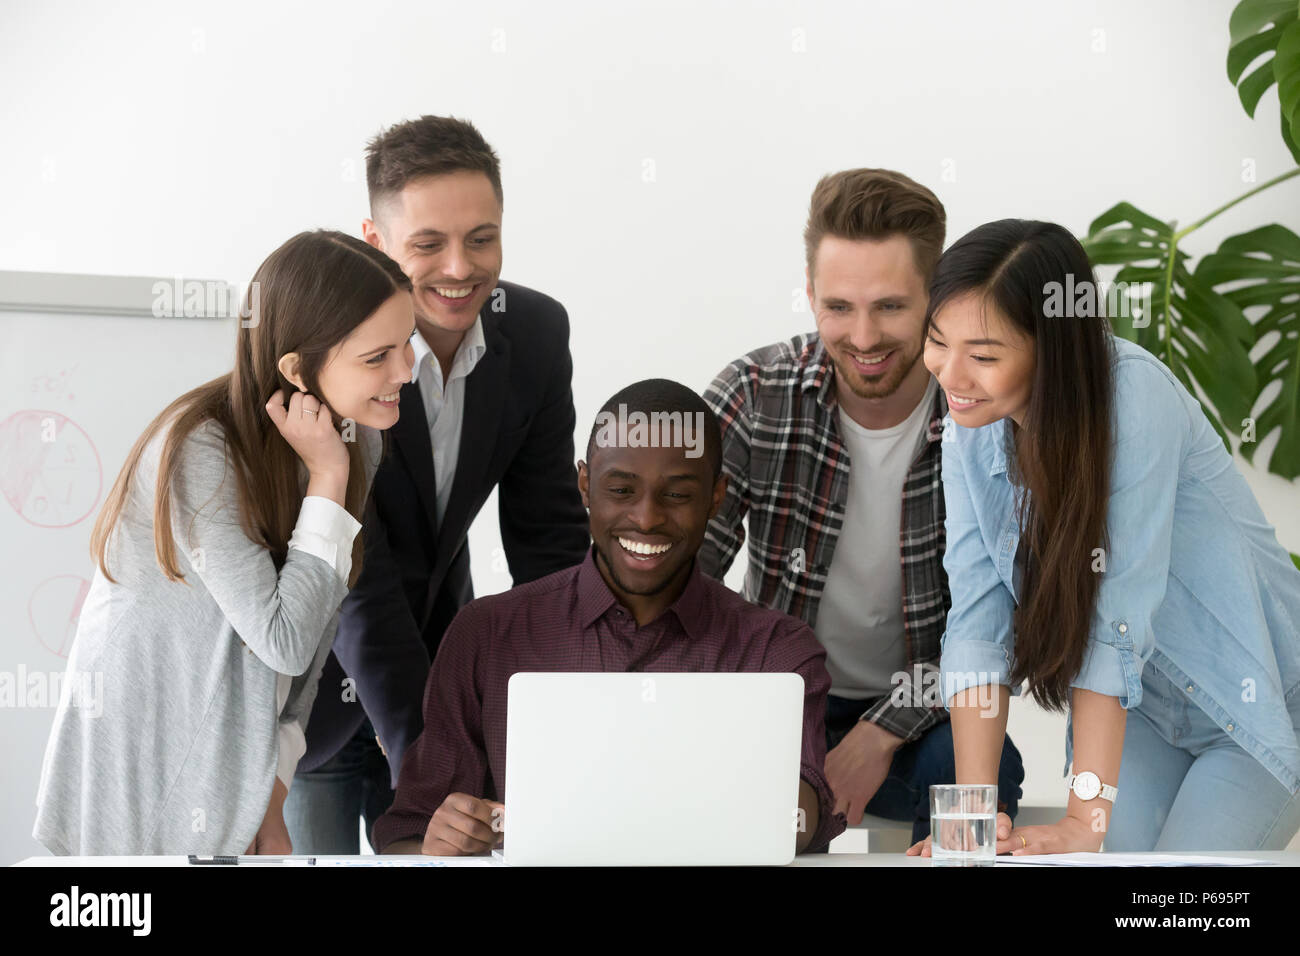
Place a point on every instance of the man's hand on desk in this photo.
(464, 826)
(858, 765)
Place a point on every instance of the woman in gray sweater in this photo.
(223, 552)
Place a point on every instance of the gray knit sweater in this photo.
(178, 752)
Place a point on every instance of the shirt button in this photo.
(1229, 727)
(1190, 688)
(1123, 628)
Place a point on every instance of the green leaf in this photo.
(1264, 266)
(1296, 558)
(1244, 53)
(1286, 68)
(1249, 16)
(1290, 140)
(1202, 336)
(1256, 28)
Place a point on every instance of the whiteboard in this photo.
(84, 367)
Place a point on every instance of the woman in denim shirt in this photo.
(1147, 593)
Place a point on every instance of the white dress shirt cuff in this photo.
(326, 530)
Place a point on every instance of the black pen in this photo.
(252, 860)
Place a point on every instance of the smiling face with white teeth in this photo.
(363, 374)
(869, 299)
(445, 232)
(983, 362)
(649, 508)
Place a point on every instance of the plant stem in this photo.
(1228, 205)
(1178, 236)
(1169, 299)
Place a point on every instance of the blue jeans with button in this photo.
(1185, 785)
(905, 792)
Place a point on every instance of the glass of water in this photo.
(963, 824)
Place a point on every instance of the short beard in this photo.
(882, 388)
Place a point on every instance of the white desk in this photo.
(1280, 857)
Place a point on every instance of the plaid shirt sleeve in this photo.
(901, 713)
(730, 396)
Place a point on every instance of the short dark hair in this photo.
(428, 146)
(876, 204)
(665, 395)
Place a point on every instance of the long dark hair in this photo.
(1060, 459)
(307, 296)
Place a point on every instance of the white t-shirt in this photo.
(860, 616)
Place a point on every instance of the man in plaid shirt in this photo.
(825, 540)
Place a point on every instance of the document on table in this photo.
(1128, 859)
(408, 860)
(411, 861)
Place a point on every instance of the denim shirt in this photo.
(1195, 582)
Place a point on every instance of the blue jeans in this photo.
(1184, 784)
(325, 806)
(905, 792)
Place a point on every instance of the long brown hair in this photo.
(308, 296)
(1061, 459)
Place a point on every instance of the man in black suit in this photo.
(490, 405)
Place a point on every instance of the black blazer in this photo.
(517, 436)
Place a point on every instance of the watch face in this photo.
(1087, 785)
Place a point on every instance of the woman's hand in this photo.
(309, 430)
(272, 837)
(1068, 835)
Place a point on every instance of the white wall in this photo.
(193, 138)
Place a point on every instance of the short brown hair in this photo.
(876, 204)
(428, 146)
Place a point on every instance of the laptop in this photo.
(650, 769)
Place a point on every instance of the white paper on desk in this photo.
(409, 860)
(1128, 859)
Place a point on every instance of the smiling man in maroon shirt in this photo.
(651, 482)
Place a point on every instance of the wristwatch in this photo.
(1088, 786)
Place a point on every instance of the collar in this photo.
(818, 372)
(938, 413)
(471, 349)
(1001, 438)
(595, 597)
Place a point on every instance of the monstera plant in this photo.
(1227, 326)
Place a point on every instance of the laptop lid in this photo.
(643, 769)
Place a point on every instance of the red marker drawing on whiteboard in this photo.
(50, 472)
(54, 609)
